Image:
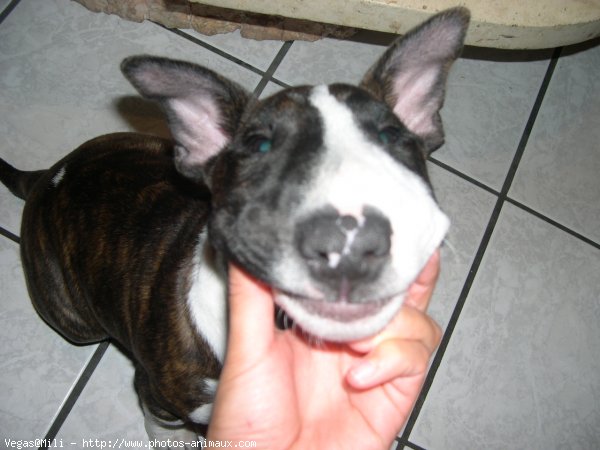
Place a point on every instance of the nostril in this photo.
(322, 256)
(318, 236)
(374, 238)
(371, 254)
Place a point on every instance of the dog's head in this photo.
(321, 192)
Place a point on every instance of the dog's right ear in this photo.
(411, 75)
(203, 108)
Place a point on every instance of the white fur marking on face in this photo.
(356, 173)
(350, 236)
(207, 299)
(58, 177)
(334, 258)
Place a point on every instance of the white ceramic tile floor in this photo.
(520, 370)
(564, 146)
(519, 367)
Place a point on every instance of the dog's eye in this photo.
(388, 135)
(260, 143)
(264, 145)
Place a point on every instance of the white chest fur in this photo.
(207, 298)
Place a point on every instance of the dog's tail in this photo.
(19, 182)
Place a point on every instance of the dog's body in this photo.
(320, 192)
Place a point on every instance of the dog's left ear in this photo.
(203, 108)
(411, 75)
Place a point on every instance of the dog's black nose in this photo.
(339, 247)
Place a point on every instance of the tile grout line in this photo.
(10, 235)
(73, 396)
(529, 125)
(6, 12)
(268, 73)
(268, 76)
(213, 49)
(515, 202)
(553, 222)
(279, 82)
(412, 445)
(462, 175)
(502, 198)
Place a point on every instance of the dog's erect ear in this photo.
(203, 108)
(411, 75)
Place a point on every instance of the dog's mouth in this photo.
(339, 320)
(342, 310)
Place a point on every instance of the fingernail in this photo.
(364, 372)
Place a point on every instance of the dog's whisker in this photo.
(453, 251)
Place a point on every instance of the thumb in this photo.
(251, 313)
(420, 292)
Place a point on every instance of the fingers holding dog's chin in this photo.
(409, 323)
(251, 328)
(390, 360)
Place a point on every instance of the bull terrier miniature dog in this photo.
(321, 192)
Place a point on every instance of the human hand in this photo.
(282, 392)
